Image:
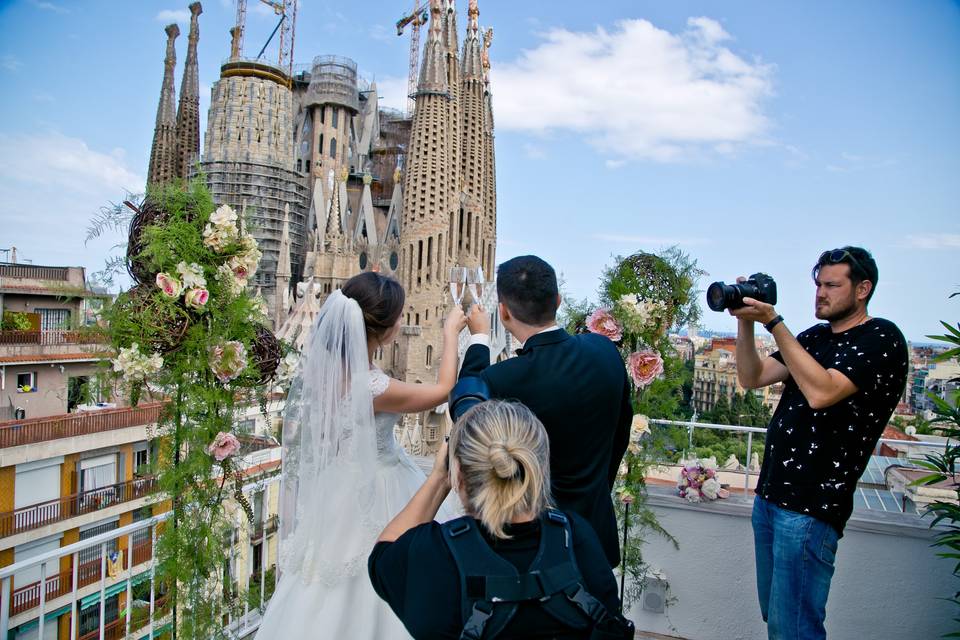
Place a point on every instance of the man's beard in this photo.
(838, 311)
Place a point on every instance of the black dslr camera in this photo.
(759, 286)
(465, 394)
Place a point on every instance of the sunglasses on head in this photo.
(839, 256)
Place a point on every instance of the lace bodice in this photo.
(387, 447)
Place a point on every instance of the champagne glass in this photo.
(458, 276)
(475, 283)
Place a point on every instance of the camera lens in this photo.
(717, 296)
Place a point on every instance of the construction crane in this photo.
(287, 26)
(416, 19)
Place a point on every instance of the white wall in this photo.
(887, 582)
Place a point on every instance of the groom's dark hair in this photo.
(528, 287)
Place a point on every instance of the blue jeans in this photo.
(795, 555)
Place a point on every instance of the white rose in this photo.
(223, 216)
(710, 488)
(191, 275)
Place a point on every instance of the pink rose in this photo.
(602, 321)
(644, 366)
(169, 285)
(223, 446)
(196, 298)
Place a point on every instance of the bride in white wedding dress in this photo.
(344, 475)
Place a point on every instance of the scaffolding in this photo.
(264, 189)
(333, 80)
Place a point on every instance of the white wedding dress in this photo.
(344, 495)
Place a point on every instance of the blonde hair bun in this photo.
(502, 461)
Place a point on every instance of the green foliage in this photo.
(944, 468)
(199, 404)
(15, 321)
(646, 294)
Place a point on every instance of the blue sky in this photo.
(752, 134)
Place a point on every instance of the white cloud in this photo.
(933, 241)
(10, 63)
(51, 186)
(167, 16)
(392, 91)
(856, 162)
(637, 91)
(534, 152)
(55, 161)
(49, 6)
(381, 33)
(649, 241)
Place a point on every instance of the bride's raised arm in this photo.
(406, 397)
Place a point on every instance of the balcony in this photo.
(22, 347)
(15, 433)
(28, 597)
(264, 528)
(66, 507)
(92, 582)
(50, 337)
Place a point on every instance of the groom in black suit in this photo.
(577, 386)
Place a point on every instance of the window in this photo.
(27, 382)
(141, 461)
(92, 554)
(53, 319)
(429, 355)
(335, 121)
(299, 164)
(333, 148)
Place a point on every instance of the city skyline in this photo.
(801, 129)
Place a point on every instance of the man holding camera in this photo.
(842, 381)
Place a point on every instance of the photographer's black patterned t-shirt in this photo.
(813, 458)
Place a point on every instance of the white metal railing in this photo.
(135, 558)
(73, 550)
(691, 426)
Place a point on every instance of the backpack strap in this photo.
(491, 588)
(479, 566)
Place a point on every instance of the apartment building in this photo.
(75, 465)
(715, 375)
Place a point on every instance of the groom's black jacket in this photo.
(578, 387)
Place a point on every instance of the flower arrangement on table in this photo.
(190, 333)
(698, 482)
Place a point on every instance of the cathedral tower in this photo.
(163, 152)
(188, 111)
(471, 231)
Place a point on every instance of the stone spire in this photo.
(433, 71)
(452, 53)
(333, 235)
(489, 166)
(428, 205)
(471, 234)
(282, 296)
(164, 148)
(188, 111)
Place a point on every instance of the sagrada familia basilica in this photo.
(333, 184)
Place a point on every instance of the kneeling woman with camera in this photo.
(513, 567)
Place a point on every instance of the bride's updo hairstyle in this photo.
(503, 457)
(380, 298)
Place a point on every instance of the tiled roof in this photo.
(53, 357)
(892, 433)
